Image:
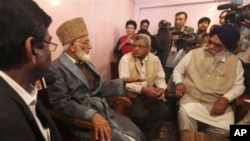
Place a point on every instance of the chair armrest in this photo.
(77, 122)
(241, 107)
(120, 104)
(240, 100)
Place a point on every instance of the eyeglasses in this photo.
(85, 42)
(52, 46)
(139, 46)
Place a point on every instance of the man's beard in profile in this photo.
(83, 56)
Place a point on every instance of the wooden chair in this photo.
(118, 103)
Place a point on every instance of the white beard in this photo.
(83, 56)
(217, 55)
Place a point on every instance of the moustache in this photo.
(210, 51)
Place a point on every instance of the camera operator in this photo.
(240, 17)
(222, 16)
(179, 25)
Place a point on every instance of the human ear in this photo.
(72, 47)
(30, 49)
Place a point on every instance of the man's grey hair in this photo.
(65, 47)
(145, 37)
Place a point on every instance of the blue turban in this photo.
(228, 35)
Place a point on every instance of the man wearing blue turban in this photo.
(207, 79)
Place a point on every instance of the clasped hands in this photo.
(153, 92)
(180, 89)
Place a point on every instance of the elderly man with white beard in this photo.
(79, 92)
(207, 80)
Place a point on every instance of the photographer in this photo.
(239, 17)
(222, 16)
(179, 25)
(187, 42)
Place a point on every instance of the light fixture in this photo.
(55, 2)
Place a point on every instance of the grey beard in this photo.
(83, 56)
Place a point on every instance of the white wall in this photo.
(106, 20)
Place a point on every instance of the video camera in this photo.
(236, 12)
(186, 39)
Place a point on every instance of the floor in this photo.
(169, 132)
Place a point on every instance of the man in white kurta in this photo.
(207, 80)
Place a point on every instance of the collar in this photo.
(144, 60)
(29, 97)
(72, 59)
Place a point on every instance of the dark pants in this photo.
(168, 72)
(148, 114)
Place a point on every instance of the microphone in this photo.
(224, 6)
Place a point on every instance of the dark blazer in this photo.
(17, 121)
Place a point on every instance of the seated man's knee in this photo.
(182, 112)
(165, 111)
(141, 116)
(217, 131)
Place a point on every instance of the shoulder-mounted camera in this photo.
(237, 13)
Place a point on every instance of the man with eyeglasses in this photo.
(24, 58)
(79, 91)
(207, 79)
(148, 109)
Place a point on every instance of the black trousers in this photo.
(148, 114)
